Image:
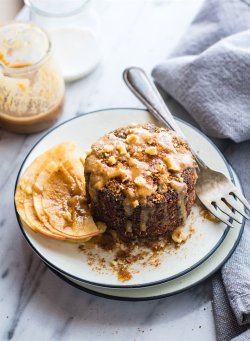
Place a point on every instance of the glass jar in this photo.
(31, 85)
(74, 29)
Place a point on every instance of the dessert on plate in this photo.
(140, 181)
(137, 183)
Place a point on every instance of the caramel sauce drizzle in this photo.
(138, 157)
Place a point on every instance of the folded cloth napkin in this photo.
(209, 74)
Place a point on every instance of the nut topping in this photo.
(151, 151)
(112, 160)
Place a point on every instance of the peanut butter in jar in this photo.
(31, 85)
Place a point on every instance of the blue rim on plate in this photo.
(103, 285)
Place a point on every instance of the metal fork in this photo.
(217, 193)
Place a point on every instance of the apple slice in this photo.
(65, 205)
(41, 168)
(23, 195)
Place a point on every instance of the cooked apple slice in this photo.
(31, 208)
(37, 190)
(34, 223)
(64, 183)
(64, 203)
(24, 197)
(28, 216)
(75, 168)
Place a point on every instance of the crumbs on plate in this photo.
(109, 252)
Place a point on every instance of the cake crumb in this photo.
(192, 228)
(123, 274)
(108, 252)
(208, 215)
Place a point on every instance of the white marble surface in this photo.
(34, 303)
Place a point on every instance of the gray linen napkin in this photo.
(209, 74)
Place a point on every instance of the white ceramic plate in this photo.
(66, 258)
(192, 278)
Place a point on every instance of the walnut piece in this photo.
(135, 203)
(132, 139)
(108, 148)
(172, 164)
(122, 149)
(112, 160)
(179, 236)
(151, 151)
(148, 139)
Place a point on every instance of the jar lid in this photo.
(22, 45)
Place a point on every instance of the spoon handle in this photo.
(140, 84)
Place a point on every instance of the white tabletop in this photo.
(37, 305)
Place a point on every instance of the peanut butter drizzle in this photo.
(146, 159)
(144, 216)
(181, 189)
(17, 65)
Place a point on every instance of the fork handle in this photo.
(140, 84)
